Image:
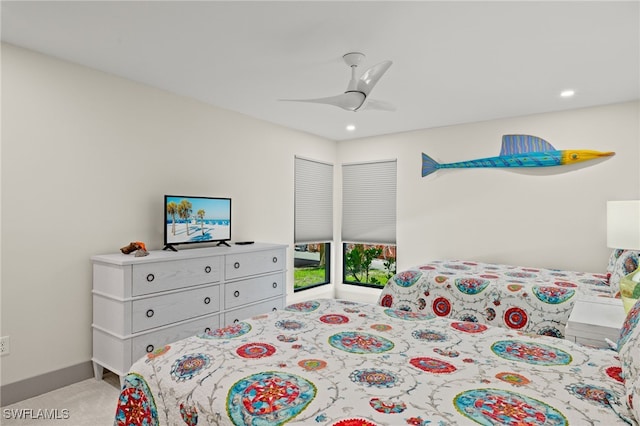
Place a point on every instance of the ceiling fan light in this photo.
(351, 101)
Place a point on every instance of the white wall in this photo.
(87, 157)
(86, 160)
(540, 218)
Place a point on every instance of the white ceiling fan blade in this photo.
(374, 104)
(349, 101)
(371, 76)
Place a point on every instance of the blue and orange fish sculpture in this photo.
(520, 151)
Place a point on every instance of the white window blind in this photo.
(313, 201)
(369, 202)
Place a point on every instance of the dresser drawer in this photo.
(153, 341)
(260, 262)
(240, 314)
(159, 276)
(169, 308)
(253, 290)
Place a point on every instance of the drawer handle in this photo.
(275, 259)
(207, 300)
(149, 349)
(150, 277)
(274, 285)
(236, 293)
(235, 321)
(207, 269)
(206, 330)
(236, 265)
(150, 313)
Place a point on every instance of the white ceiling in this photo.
(453, 62)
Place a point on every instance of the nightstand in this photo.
(594, 319)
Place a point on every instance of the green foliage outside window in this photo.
(310, 266)
(368, 265)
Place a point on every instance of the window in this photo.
(311, 265)
(313, 223)
(369, 223)
(369, 265)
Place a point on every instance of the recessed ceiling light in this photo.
(567, 93)
(351, 127)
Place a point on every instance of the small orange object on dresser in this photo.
(138, 246)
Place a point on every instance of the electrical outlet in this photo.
(4, 345)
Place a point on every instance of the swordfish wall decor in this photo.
(520, 151)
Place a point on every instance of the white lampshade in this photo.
(623, 224)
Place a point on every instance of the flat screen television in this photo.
(196, 220)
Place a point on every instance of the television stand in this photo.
(221, 243)
(170, 247)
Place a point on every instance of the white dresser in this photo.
(142, 303)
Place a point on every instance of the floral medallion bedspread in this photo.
(531, 300)
(333, 362)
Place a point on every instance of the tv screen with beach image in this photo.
(197, 219)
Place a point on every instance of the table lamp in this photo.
(623, 232)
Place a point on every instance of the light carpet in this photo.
(90, 402)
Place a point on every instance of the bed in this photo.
(532, 300)
(341, 363)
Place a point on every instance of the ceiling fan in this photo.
(356, 97)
